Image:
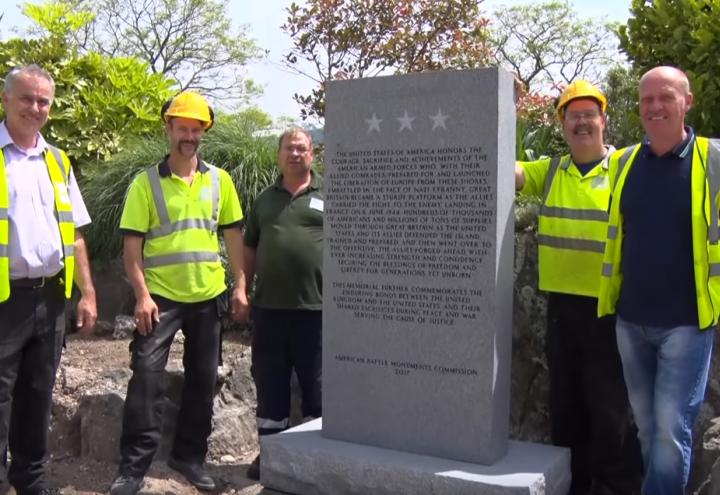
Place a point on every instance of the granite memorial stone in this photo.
(417, 282)
(417, 291)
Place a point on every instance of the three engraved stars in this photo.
(406, 121)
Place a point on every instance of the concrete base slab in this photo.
(301, 461)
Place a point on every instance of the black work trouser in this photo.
(589, 408)
(32, 329)
(142, 415)
(283, 340)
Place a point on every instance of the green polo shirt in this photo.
(182, 282)
(287, 235)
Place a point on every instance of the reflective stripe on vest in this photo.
(58, 171)
(712, 172)
(613, 229)
(177, 258)
(623, 161)
(552, 170)
(607, 269)
(570, 243)
(167, 227)
(573, 213)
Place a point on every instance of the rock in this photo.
(234, 427)
(529, 419)
(64, 432)
(103, 328)
(124, 327)
(70, 378)
(100, 425)
(115, 296)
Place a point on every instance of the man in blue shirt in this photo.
(659, 275)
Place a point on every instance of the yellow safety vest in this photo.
(571, 226)
(182, 240)
(705, 197)
(58, 167)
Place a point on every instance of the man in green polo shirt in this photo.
(170, 224)
(283, 246)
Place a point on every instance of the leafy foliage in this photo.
(99, 101)
(548, 44)
(684, 34)
(621, 88)
(230, 144)
(191, 41)
(538, 133)
(345, 39)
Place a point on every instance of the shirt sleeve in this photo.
(81, 217)
(136, 210)
(230, 210)
(252, 227)
(535, 173)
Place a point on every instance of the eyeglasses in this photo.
(585, 115)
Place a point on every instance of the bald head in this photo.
(667, 74)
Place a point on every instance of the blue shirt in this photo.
(585, 168)
(658, 287)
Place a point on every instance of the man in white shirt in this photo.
(41, 252)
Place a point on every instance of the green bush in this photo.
(230, 144)
(100, 102)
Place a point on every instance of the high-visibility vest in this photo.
(181, 240)
(705, 192)
(571, 226)
(58, 166)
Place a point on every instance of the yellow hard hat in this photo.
(189, 105)
(580, 89)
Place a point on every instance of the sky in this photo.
(264, 19)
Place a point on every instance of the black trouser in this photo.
(32, 329)
(589, 408)
(283, 340)
(142, 415)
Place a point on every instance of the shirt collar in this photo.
(164, 167)
(609, 150)
(681, 150)
(315, 182)
(6, 140)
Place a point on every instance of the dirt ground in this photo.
(89, 477)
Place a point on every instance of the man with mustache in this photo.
(283, 245)
(589, 410)
(42, 252)
(170, 224)
(661, 274)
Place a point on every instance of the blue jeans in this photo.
(666, 372)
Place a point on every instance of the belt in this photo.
(34, 283)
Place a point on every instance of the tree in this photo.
(191, 41)
(548, 45)
(621, 88)
(344, 39)
(684, 34)
(99, 101)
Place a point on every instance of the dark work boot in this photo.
(126, 485)
(196, 474)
